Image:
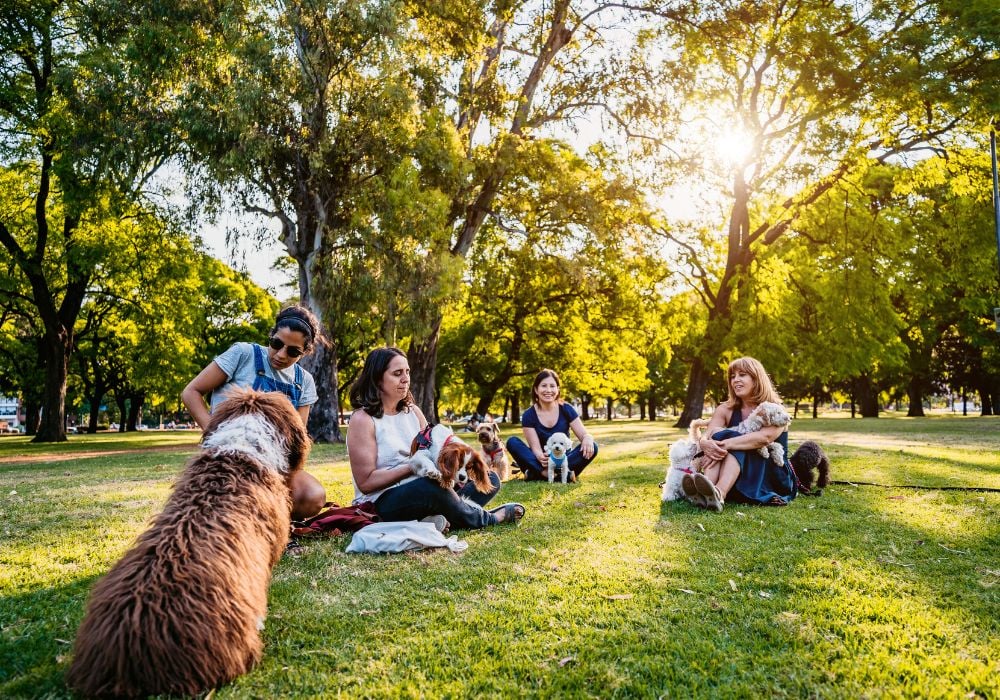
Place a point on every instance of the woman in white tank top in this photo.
(378, 447)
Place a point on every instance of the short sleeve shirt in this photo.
(567, 414)
(237, 362)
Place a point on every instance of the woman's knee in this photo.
(308, 495)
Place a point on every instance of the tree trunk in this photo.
(95, 411)
(585, 406)
(422, 356)
(611, 406)
(916, 398)
(324, 416)
(31, 416)
(867, 398)
(121, 402)
(642, 409)
(694, 399)
(52, 426)
(652, 409)
(515, 409)
(138, 398)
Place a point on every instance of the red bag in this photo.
(336, 520)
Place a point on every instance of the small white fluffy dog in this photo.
(557, 447)
(683, 461)
(767, 414)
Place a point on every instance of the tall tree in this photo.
(80, 128)
(800, 94)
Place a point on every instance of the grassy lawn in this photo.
(601, 591)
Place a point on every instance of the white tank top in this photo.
(393, 436)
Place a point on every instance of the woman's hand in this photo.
(542, 457)
(587, 447)
(714, 450)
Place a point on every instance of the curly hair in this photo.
(298, 318)
(763, 389)
(365, 392)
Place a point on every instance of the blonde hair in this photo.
(763, 389)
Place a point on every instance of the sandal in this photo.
(691, 491)
(512, 513)
(708, 491)
(776, 501)
(294, 548)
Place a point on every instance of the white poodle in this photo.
(557, 447)
(767, 414)
(684, 459)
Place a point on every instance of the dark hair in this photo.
(298, 318)
(539, 378)
(364, 391)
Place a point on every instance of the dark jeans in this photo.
(532, 468)
(422, 497)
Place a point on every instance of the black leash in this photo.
(912, 486)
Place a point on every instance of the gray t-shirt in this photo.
(237, 363)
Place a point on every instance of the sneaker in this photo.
(439, 521)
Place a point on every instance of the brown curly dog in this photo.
(182, 611)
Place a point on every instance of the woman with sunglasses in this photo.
(273, 368)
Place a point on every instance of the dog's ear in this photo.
(479, 473)
(450, 460)
(495, 429)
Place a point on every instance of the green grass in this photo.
(601, 591)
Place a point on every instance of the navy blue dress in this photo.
(760, 479)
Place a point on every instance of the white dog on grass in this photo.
(557, 447)
(684, 459)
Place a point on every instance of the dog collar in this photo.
(498, 450)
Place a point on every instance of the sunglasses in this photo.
(276, 345)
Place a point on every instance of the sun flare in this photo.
(733, 146)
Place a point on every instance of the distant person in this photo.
(549, 414)
(378, 445)
(736, 471)
(274, 367)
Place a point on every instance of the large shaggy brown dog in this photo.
(182, 611)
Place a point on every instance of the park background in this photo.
(630, 194)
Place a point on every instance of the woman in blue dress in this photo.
(733, 469)
(549, 415)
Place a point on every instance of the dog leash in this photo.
(986, 489)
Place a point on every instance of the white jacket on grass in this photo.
(402, 537)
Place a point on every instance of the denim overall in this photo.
(265, 382)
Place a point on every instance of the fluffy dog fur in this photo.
(449, 461)
(182, 611)
(494, 454)
(810, 462)
(683, 460)
(557, 447)
(767, 414)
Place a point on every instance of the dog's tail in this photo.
(696, 429)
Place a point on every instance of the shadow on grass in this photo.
(37, 635)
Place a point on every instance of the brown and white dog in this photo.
(182, 611)
(493, 451)
(437, 454)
